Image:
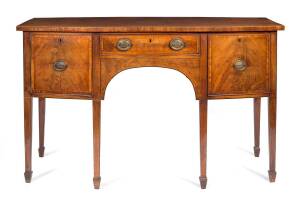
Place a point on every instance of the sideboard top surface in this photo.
(149, 24)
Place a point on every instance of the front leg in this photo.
(28, 137)
(272, 138)
(96, 141)
(203, 142)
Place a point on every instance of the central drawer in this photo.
(150, 44)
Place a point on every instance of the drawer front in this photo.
(61, 63)
(150, 44)
(238, 64)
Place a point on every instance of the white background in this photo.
(150, 120)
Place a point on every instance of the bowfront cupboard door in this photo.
(239, 64)
(61, 63)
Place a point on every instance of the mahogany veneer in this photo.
(77, 58)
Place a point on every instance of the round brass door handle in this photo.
(60, 65)
(124, 44)
(177, 44)
(240, 64)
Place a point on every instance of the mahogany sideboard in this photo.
(223, 58)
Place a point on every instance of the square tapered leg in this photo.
(96, 142)
(272, 138)
(42, 109)
(203, 142)
(28, 137)
(256, 106)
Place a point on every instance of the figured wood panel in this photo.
(149, 24)
(150, 44)
(224, 50)
(75, 50)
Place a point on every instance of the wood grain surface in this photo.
(149, 24)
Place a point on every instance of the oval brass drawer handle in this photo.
(240, 64)
(60, 65)
(177, 44)
(124, 44)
